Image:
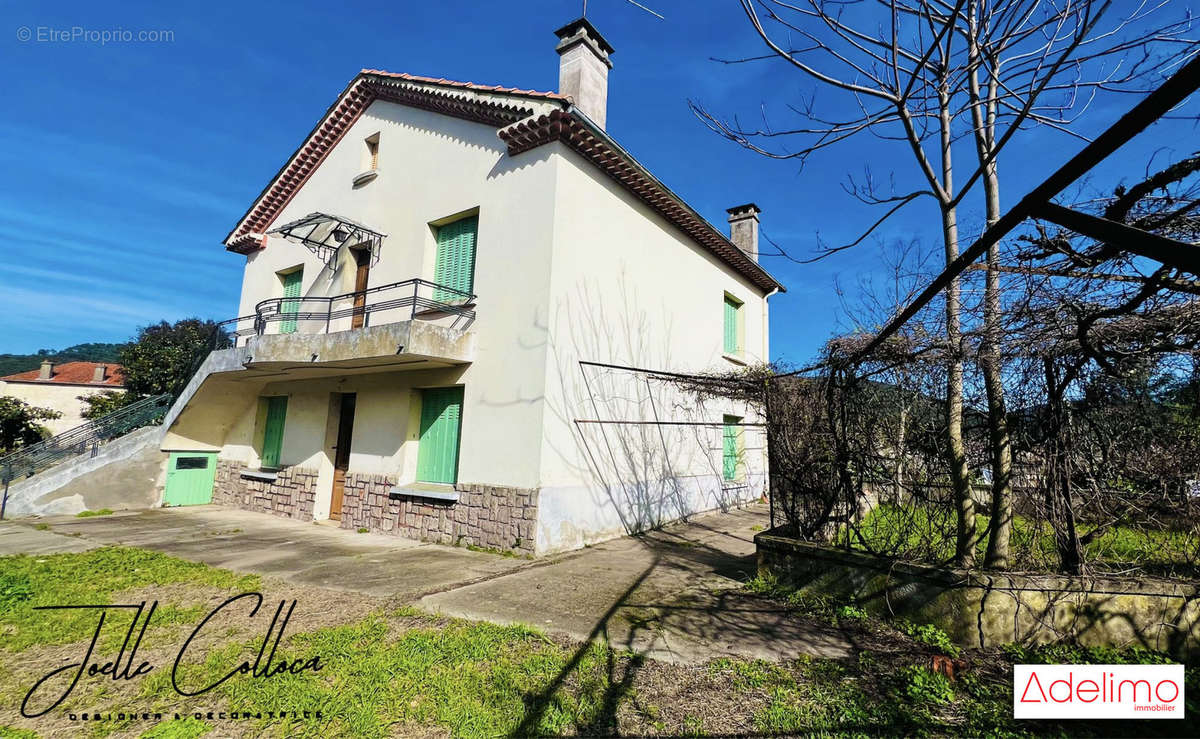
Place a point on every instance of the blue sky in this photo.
(127, 163)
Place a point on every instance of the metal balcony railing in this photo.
(413, 299)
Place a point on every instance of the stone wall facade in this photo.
(984, 609)
(485, 516)
(290, 495)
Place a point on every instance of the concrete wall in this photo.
(55, 396)
(628, 288)
(979, 609)
(125, 473)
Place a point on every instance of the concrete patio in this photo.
(674, 594)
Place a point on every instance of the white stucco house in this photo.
(457, 305)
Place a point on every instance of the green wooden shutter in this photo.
(273, 434)
(291, 289)
(441, 419)
(731, 447)
(454, 265)
(733, 339)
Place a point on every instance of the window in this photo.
(734, 326)
(289, 308)
(191, 463)
(731, 448)
(371, 154)
(454, 263)
(272, 443)
(441, 420)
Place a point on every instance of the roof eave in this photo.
(528, 135)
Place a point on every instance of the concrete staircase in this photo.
(126, 472)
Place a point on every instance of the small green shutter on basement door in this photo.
(732, 326)
(454, 265)
(730, 451)
(190, 478)
(273, 433)
(441, 419)
(291, 289)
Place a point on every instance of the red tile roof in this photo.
(75, 373)
(468, 85)
(561, 124)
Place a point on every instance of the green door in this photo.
(190, 478)
(441, 419)
(454, 265)
(291, 289)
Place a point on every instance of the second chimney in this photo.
(100, 374)
(583, 68)
(46, 370)
(743, 228)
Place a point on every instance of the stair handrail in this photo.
(33, 458)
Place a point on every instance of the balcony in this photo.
(415, 322)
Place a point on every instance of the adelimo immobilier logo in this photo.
(1098, 691)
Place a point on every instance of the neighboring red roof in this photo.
(561, 124)
(74, 373)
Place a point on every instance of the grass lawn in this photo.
(392, 671)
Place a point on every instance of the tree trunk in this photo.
(990, 363)
(983, 120)
(1060, 510)
(960, 475)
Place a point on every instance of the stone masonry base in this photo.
(484, 516)
(291, 495)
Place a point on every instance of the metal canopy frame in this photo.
(1038, 204)
(324, 234)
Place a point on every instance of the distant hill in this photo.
(92, 352)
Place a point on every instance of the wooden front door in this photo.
(341, 457)
(362, 258)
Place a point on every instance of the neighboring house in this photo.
(448, 293)
(59, 387)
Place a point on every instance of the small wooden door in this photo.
(341, 457)
(190, 478)
(362, 258)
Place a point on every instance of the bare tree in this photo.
(927, 74)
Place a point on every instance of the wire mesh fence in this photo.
(1102, 480)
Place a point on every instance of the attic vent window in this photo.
(370, 161)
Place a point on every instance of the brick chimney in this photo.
(583, 68)
(46, 370)
(100, 373)
(743, 228)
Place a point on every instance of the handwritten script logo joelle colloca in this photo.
(123, 667)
